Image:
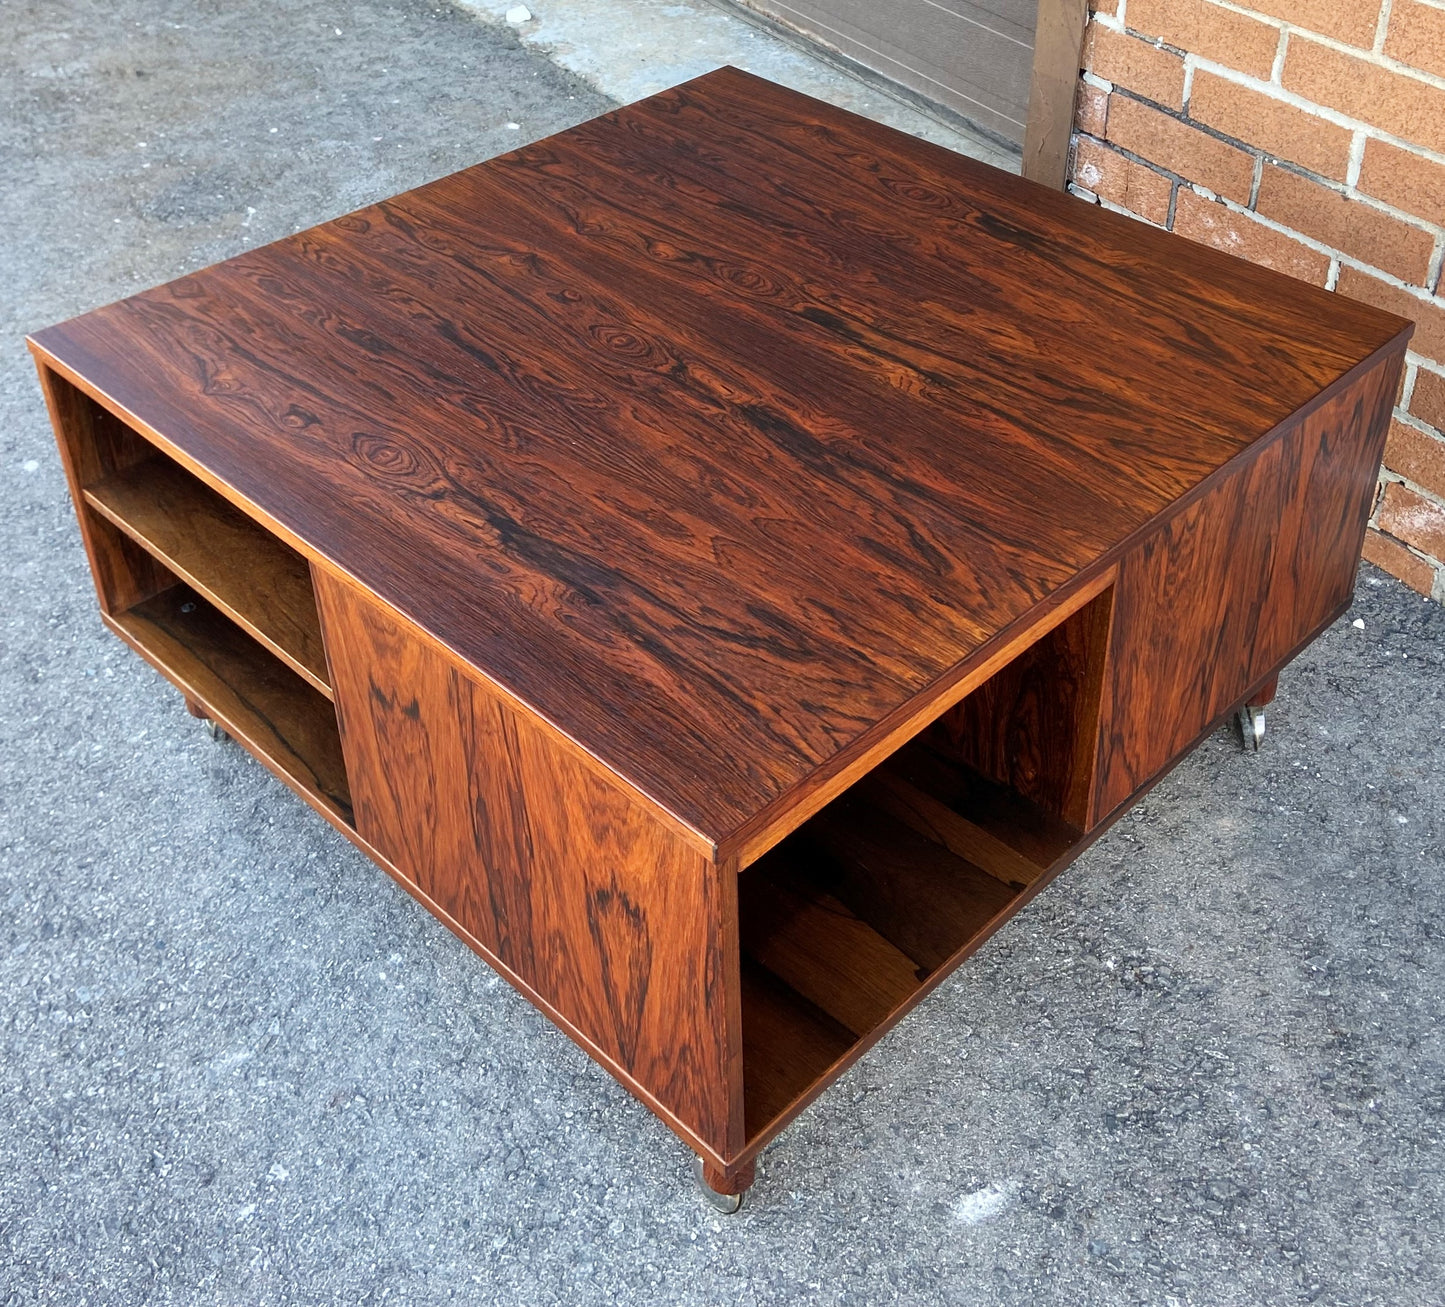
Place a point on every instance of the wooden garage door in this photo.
(973, 56)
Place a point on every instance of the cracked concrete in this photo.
(238, 1065)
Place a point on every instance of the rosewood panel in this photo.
(1213, 602)
(230, 678)
(759, 420)
(550, 865)
(1033, 725)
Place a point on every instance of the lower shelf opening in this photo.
(846, 920)
(260, 583)
(261, 701)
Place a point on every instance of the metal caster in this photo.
(1251, 726)
(217, 731)
(725, 1203)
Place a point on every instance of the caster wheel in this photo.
(1251, 726)
(725, 1203)
(218, 732)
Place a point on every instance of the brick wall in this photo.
(1307, 135)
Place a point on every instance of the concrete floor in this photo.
(238, 1065)
(632, 48)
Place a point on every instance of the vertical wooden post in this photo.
(1058, 41)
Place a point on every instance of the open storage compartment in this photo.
(209, 596)
(259, 582)
(847, 922)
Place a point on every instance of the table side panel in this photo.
(1034, 725)
(1214, 601)
(554, 867)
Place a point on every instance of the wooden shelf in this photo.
(267, 707)
(258, 581)
(886, 890)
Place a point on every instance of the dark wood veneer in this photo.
(545, 859)
(749, 551)
(1215, 600)
(704, 406)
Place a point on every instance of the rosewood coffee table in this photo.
(723, 559)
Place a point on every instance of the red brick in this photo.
(1344, 224)
(1405, 179)
(1417, 36)
(1205, 29)
(1092, 109)
(1428, 401)
(1181, 149)
(1398, 561)
(1403, 106)
(1351, 21)
(1428, 314)
(1211, 223)
(1145, 69)
(1417, 457)
(1273, 125)
(1414, 519)
(1121, 181)
(1110, 7)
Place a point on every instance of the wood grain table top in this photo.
(720, 428)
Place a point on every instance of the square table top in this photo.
(721, 428)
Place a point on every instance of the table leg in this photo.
(218, 732)
(1265, 694)
(724, 1188)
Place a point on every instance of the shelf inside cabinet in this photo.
(265, 705)
(258, 581)
(847, 921)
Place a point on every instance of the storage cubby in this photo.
(260, 583)
(240, 684)
(848, 920)
(209, 596)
